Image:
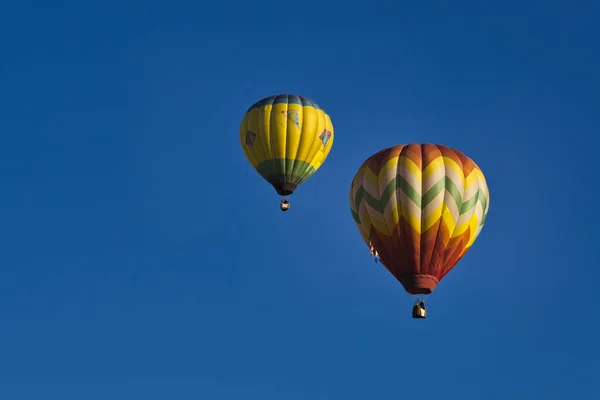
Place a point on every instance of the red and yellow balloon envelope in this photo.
(421, 207)
(286, 138)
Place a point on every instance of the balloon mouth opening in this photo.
(419, 283)
(285, 188)
(419, 291)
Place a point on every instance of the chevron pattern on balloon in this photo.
(422, 207)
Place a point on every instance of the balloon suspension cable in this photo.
(424, 298)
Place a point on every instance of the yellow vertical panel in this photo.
(294, 132)
(309, 126)
(260, 149)
(316, 143)
(278, 123)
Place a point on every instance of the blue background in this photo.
(141, 258)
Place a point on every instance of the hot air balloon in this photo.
(419, 208)
(286, 138)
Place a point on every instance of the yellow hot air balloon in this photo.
(286, 138)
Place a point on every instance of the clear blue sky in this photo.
(133, 264)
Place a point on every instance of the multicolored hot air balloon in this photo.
(419, 208)
(286, 138)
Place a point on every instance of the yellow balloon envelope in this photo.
(286, 138)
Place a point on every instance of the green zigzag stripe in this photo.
(444, 183)
(447, 184)
(479, 196)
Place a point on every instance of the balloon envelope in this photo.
(286, 138)
(421, 207)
